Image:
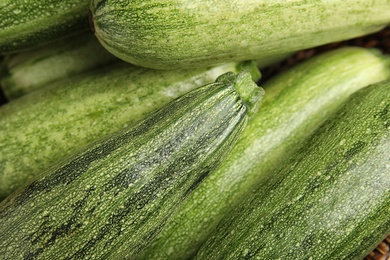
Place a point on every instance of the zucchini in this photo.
(30, 70)
(296, 103)
(331, 200)
(112, 198)
(181, 34)
(28, 25)
(42, 127)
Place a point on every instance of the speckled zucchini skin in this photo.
(295, 104)
(30, 70)
(28, 24)
(44, 126)
(111, 199)
(169, 34)
(331, 200)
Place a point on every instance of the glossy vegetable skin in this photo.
(112, 198)
(182, 34)
(331, 200)
(296, 103)
(42, 127)
(30, 70)
(28, 24)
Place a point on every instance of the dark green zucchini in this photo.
(48, 124)
(29, 24)
(111, 199)
(296, 103)
(331, 200)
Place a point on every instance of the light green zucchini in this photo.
(25, 25)
(39, 128)
(30, 70)
(167, 34)
(295, 104)
(331, 200)
(111, 199)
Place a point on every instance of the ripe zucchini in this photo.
(295, 104)
(25, 25)
(111, 199)
(331, 200)
(30, 70)
(39, 128)
(178, 34)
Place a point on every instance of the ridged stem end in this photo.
(250, 93)
(251, 67)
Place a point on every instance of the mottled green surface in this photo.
(192, 33)
(295, 104)
(331, 200)
(39, 128)
(27, 24)
(31, 70)
(111, 199)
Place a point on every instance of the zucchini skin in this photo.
(112, 198)
(29, 70)
(181, 34)
(46, 125)
(28, 25)
(296, 103)
(331, 200)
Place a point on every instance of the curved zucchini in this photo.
(25, 25)
(30, 70)
(167, 34)
(112, 198)
(331, 200)
(295, 104)
(42, 127)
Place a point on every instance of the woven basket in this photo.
(382, 252)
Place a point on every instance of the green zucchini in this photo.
(331, 200)
(30, 70)
(25, 25)
(181, 34)
(295, 104)
(39, 128)
(111, 199)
